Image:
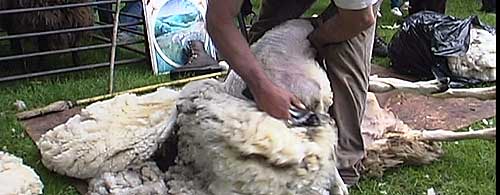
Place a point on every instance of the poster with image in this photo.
(171, 25)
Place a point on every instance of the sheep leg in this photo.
(382, 85)
(485, 93)
(76, 58)
(443, 135)
(43, 45)
(413, 147)
(432, 88)
(17, 47)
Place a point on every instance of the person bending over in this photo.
(344, 35)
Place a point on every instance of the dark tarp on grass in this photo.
(421, 47)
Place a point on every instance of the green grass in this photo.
(468, 167)
(73, 86)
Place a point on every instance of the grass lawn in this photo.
(468, 167)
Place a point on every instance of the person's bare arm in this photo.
(343, 26)
(233, 46)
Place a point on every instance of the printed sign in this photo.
(171, 25)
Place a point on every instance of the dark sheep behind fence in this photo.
(40, 21)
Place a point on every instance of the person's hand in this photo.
(275, 100)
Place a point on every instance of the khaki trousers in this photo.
(348, 68)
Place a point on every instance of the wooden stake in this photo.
(66, 104)
(113, 46)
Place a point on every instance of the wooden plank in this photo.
(36, 127)
(421, 112)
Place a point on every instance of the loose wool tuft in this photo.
(143, 178)
(110, 135)
(17, 178)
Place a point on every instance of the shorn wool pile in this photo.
(17, 178)
(110, 135)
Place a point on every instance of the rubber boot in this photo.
(199, 63)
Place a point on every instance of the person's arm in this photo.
(343, 26)
(233, 46)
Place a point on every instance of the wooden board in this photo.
(421, 112)
(36, 127)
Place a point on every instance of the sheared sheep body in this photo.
(108, 136)
(480, 60)
(287, 57)
(237, 149)
(17, 178)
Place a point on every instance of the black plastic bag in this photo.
(426, 39)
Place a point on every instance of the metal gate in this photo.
(18, 62)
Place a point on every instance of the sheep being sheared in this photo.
(237, 149)
(110, 135)
(240, 150)
(226, 145)
(17, 178)
(288, 59)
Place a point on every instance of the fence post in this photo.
(116, 21)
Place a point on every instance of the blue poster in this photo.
(172, 24)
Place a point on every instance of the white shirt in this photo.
(354, 4)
